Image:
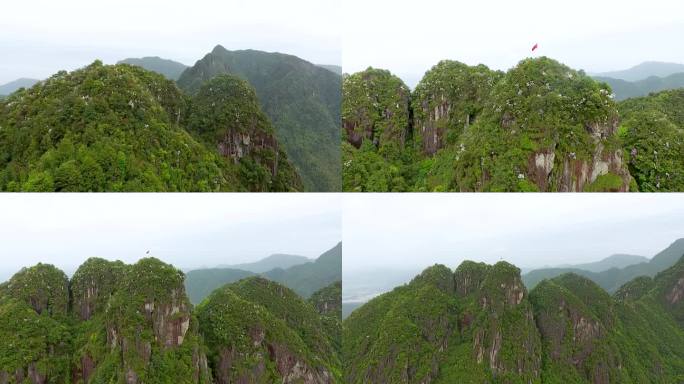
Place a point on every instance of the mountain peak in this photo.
(218, 49)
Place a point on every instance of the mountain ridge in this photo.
(301, 99)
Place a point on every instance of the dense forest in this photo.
(541, 126)
(480, 324)
(118, 323)
(123, 128)
(236, 121)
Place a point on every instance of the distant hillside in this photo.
(332, 68)
(613, 278)
(644, 71)
(302, 101)
(305, 279)
(626, 89)
(277, 260)
(169, 68)
(613, 261)
(201, 282)
(12, 86)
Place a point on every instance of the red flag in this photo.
(535, 47)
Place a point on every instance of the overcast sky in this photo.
(41, 37)
(186, 230)
(409, 230)
(409, 37)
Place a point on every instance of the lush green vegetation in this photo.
(117, 128)
(541, 126)
(375, 118)
(301, 99)
(116, 323)
(225, 113)
(328, 303)
(652, 130)
(479, 324)
(273, 330)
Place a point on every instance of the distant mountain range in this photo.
(642, 79)
(169, 68)
(643, 71)
(278, 260)
(304, 278)
(12, 86)
(611, 279)
(618, 260)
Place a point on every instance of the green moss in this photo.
(609, 182)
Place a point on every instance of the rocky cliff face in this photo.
(507, 324)
(148, 319)
(447, 101)
(226, 114)
(574, 335)
(252, 336)
(545, 127)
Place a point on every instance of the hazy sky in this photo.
(40, 37)
(187, 230)
(410, 37)
(409, 230)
